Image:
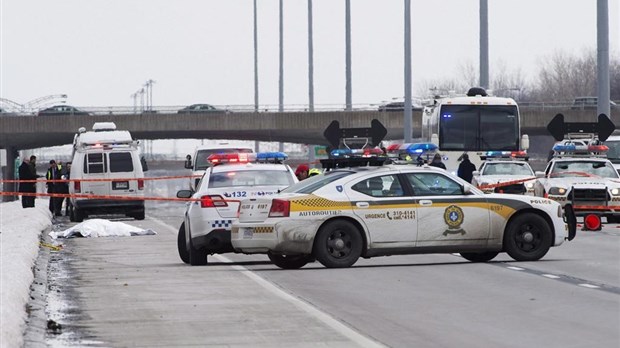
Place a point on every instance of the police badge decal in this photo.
(453, 216)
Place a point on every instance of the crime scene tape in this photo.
(507, 183)
(96, 180)
(594, 207)
(51, 246)
(128, 198)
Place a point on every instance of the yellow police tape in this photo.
(51, 246)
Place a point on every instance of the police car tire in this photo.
(289, 261)
(182, 245)
(517, 247)
(480, 257)
(197, 257)
(323, 249)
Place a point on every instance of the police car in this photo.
(230, 178)
(370, 211)
(584, 178)
(505, 172)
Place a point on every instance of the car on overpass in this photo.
(399, 106)
(581, 103)
(62, 110)
(199, 109)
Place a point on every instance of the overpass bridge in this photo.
(30, 132)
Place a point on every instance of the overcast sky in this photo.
(99, 52)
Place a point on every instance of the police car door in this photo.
(445, 215)
(386, 209)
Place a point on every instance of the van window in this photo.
(121, 162)
(94, 163)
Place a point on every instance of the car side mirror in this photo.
(466, 189)
(475, 173)
(188, 162)
(184, 194)
(540, 175)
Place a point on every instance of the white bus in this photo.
(475, 124)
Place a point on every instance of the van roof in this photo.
(105, 137)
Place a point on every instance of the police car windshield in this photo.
(203, 155)
(314, 183)
(251, 178)
(567, 169)
(507, 169)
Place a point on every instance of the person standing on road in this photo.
(25, 173)
(436, 162)
(466, 168)
(53, 174)
(66, 175)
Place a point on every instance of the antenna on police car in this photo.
(558, 128)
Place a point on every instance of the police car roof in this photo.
(568, 158)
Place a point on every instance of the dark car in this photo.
(581, 103)
(398, 106)
(62, 110)
(199, 109)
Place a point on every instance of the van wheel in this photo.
(139, 215)
(71, 214)
(527, 237)
(78, 215)
(197, 257)
(182, 245)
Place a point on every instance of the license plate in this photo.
(248, 232)
(120, 185)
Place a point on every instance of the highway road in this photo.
(135, 292)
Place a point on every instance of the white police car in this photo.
(375, 211)
(232, 177)
(587, 182)
(505, 172)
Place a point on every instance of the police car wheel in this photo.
(289, 261)
(479, 257)
(527, 237)
(182, 245)
(338, 244)
(197, 257)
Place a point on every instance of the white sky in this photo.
(99, 52)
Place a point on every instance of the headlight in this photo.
(615, 191)
(557, 191)
(529, 185)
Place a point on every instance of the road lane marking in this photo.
(552, 276)
(327, 319)
(515, 268)
(589, 286)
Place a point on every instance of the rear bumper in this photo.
(109, 205)
(216, 241)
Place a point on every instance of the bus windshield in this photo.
(478, 127)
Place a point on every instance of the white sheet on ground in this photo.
(101, 228)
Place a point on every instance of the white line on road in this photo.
(589, 286)
(334, 323)
(552, 276)
(515, 268)
(330, 321)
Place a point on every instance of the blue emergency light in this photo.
(419, 148)
(565, 148)
(271, 156)
(340, 153)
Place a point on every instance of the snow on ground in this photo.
(19, 245)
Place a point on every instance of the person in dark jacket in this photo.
(26, 173)
(436, 162)
(64, 187)
(466, 168)
(53, 173)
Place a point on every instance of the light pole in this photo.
(349, 102)
(484, 43)
(407, 122)
(256, 142)
(602, 57)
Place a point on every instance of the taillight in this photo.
(280, 208)
(77, 187)
(140, 184)
(212, 201)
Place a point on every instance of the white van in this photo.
(613, 154)
(112, 155)
(199, 163)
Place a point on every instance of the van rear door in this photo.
(123, 167)
(95, 167)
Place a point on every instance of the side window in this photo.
(380, 186)
(94, 163)
(548, 169)
(121, 162)
(433, 184)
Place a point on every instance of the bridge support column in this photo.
(8, 173)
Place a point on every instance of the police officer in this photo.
(26, 173)
(53, 173)
(436, 162)
(466, 168)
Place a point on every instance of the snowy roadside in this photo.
(19, 246)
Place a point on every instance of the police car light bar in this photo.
(579, 149)
(344, 153)
(505, 155)
(219, 158)
(419, 148)
(273, 157)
